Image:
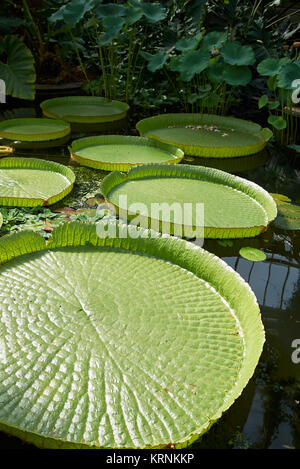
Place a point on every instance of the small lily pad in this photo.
(252, 254)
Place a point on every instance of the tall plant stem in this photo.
(35, 26)
(79, 59)
(101, 58)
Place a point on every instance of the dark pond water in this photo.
(267, 415)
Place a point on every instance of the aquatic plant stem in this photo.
(79, 59)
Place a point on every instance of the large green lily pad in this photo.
(206, 135)
(84, 109)
(30, 182)
(120, 152)
(155, 196)
(33, 129)
(124, 342)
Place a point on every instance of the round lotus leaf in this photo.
(187, 44)
(192, 63)
(235, 54)
(215, 72)
(237, 75)
(214, 40)
(169, 198)
(206, 135)
(29, 182)
(84, 109)
(271, 67)
(287, 75)
(120, 152)
(100, 347)
(252, 254)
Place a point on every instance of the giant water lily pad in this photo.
(167, 198)
(84, 109)
(29, 182)
(119, 152)
(33, 129)
(206, 135)
(124, 342)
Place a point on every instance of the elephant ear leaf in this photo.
(17, 71)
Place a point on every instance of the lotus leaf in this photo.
(287, 75)
(214, 40)
(153, 11)
(237, 75)
(187, 44)
(271, 67)
(236, 54)
(192, 63)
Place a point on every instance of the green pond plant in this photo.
(206, 135)
(168, 198)
(283, 81)
(30, 182)
(17, 69)
(108, 27)
(106, 367)
(121, 152)
(34, 129)
(84, 109)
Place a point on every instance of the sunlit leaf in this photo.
(252, 254)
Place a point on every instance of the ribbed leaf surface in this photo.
(29, 182)
(120, 342)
